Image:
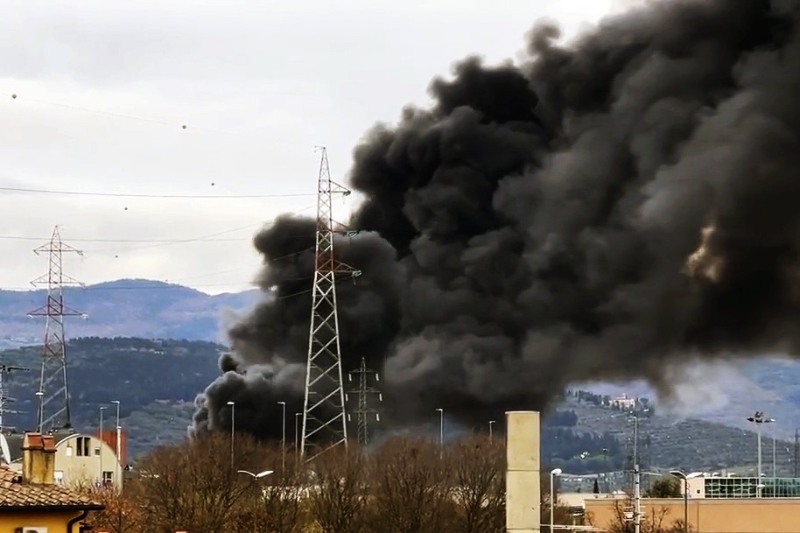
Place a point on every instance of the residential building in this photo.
(624, 403)
(32, 499)
(86, 460)
(82, 459)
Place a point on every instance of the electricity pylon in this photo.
(324, 421)
(5, 399)
(53, 394)
(364, 412)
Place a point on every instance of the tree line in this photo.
(405, 485)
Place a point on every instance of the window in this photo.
(58, 477)
(97, 452)
(83, 446)
(69, 451)
(107, 477)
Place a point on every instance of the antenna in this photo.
(324, 421)
(363, 411)
(5, 370)
(53, 393)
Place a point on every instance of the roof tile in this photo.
(14, 493)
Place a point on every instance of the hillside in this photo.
(125, 308)
(727, 392)
(156, 382)
(666, 441)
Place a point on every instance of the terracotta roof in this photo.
(15, 495)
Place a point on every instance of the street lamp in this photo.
(255, 477)
(774, 457)
(491, 422)
(680, 475)
(441, 431)
(296, 433)
(758, 419)
(553, 473)
(102, 441)
(233, 427)
(283, 437)
(117, 447)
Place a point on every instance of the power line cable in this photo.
(157, 196)
(163, 122)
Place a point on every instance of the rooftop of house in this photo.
(15, 494)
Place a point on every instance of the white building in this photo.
(85, 459)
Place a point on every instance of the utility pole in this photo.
(53, 394)
(758, 419)
(324, 420)
(796, 450)
(363, 411)
(5, 370)
(637, 510)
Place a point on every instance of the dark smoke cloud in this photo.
(605, 210)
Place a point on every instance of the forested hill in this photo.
(155, 381)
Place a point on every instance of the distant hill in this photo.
(156, 382)
(727, 392)
(125, 308)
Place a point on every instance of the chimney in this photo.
(38, 459)
(523, 505)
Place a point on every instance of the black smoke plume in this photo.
(606, 209)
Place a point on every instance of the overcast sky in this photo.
(104, 87)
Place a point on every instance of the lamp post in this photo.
(255, 478)
(758, 419)
(233, 428)
(491, 423)
(296, 434)
(680, 475)
(774, 458)
(283, 437)
(117, 447)
(40, 396)
(553, 473)
(102, 441)
(441, 431)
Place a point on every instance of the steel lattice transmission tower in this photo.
(324, 421)
(364, 412)
(53, 409)
(5, 399)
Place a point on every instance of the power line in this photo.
(156, 196)
(21, 238)
(182, 126)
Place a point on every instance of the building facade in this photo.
(86, 460)
(709, 515)
(712, 486)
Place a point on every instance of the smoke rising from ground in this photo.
(605, 210)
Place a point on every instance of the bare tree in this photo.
(651, 522)
(279, 497)
(336, 492)
(121, 513)
(410, 488)
(478, 469)
(193, 486)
